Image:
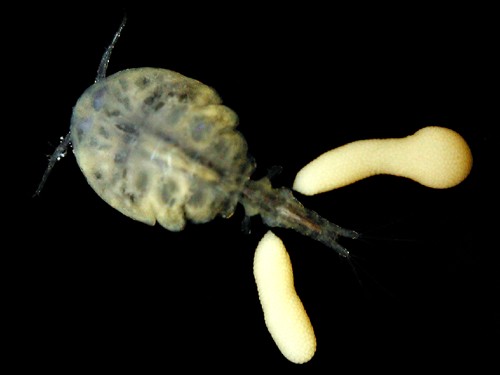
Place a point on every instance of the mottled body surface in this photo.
(159, 146)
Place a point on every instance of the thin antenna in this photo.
(103, 66)
(55, 157)
(60, 151)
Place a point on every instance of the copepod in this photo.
(161, 147)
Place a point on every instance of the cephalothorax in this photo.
(160, 147)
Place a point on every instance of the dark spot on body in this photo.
(168, 192)
(98, 100)
(199, 131)
(153, 98)
(122, 98)
(142, 82)
(103, 132)
(142, 181)
(176, 93)
(128, 128)
(103, 146)
(198, 198)
(149, 100)
(83, 127)
(158, 106)
(167, 138)
(79, 134)
(221, 147)
(94, 143)
(113, 113)
(174, 114)
(98, 175)
(129, 138)
(128, 195)
(123, 84)
(121, 157)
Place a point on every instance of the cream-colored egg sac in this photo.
(434, 156)
(284, 314)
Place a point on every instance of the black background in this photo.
(91, 286)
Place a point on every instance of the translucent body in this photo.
(158, 146)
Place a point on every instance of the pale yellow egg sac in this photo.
(434, 156)
(284, 314)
